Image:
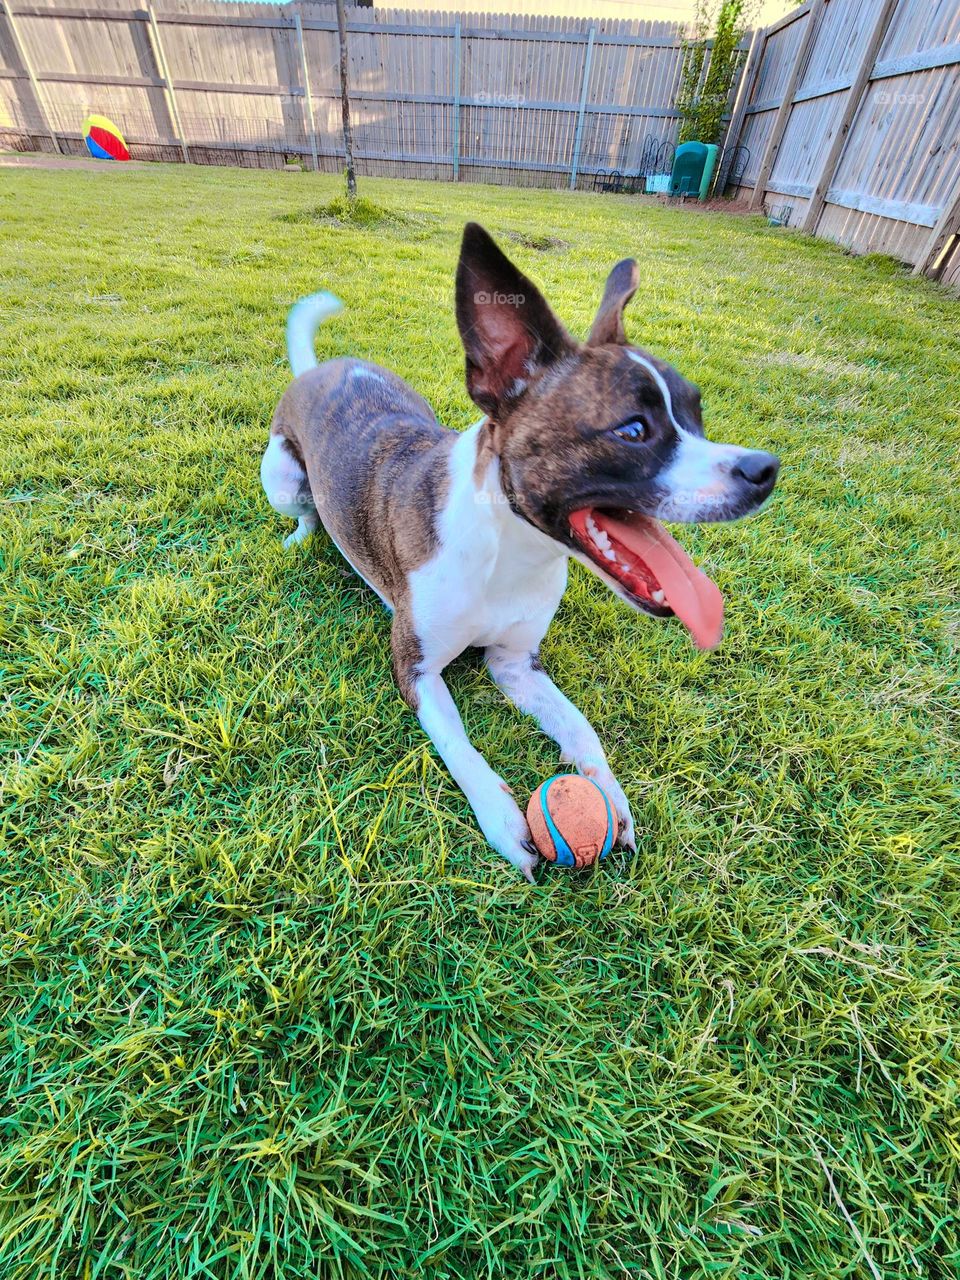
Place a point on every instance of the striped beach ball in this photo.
(104, 140)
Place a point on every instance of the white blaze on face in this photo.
(699, 474)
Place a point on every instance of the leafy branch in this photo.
(702, 98)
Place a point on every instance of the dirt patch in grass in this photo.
(43, 160)
(815, 362)
(725, 204)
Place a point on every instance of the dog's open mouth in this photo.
(652, 568)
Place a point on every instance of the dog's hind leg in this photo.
(288, 491)
(521, 677)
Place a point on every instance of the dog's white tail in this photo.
(303, 320)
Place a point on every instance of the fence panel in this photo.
(870, 152)
(781, 44)
(496, 97)
(820, 98)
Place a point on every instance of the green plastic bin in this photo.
(693, 167)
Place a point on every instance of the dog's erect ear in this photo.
(509, 332)
(620, 287)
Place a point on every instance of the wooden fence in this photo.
(487, 97)
(849, 115)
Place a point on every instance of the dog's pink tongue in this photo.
(691, 595)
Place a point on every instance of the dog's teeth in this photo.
(601, 542)
(598, 535)
(658, 597)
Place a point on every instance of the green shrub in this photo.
(702, 99)
(360, 212)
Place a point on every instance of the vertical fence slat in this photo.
(747, 81)
(456, 100)
(309, 120)
(160, 58)
(584, 85)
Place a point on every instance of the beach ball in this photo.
(104, 140)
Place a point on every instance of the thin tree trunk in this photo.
(345, 101)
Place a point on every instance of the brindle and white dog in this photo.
(583, 449)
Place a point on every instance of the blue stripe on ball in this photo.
(608, 842)
(565, 856)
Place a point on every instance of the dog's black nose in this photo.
(758, 469)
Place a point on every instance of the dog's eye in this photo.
(634, 430)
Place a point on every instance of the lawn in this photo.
(271, 1008)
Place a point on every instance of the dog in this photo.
(583, 449)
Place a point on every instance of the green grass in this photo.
(270, 1006)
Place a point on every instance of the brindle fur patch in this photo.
(556, 447)
(554, 404)
(407, 655)
(486, 452)
(378, 465)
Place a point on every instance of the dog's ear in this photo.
(509, 332)
(620, 287)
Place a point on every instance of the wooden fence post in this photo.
(947, 226)
(309, 123)
(751, 71)
(456, 100)
(783, 114)
(578, 136)
(159, 57)
(850, 109)
(21, 49)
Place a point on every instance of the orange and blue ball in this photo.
(571, 820)
(104, 140)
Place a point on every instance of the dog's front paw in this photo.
(627, 838)
(524, 858)
(605, 780)
(506, 829)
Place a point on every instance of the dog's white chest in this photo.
(521, 595)
(493, 580)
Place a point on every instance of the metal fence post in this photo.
(21, 49)
(578, 136)
(307, 94)
(456, 101)
(160, 58)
